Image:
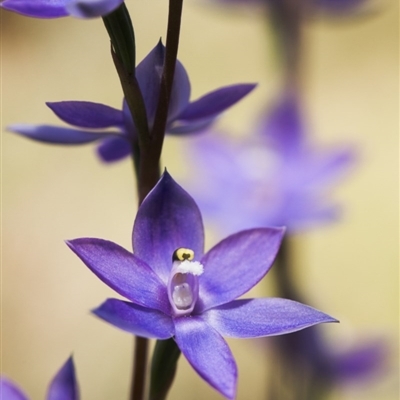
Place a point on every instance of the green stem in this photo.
(163, 368)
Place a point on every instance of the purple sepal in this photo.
(247, 318)
(167, 220)
(86, 114)
(148, 74)
(37, 8)
(135, 319)
(64, 385)
(58, 135)
(124, 272)
(214, 103)
(208, 353)
(113, 149)
(10, 391)
(236, 264)
(91, 8)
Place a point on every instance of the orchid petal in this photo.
(208, 354)
(58, 135)
(10, 391)
(114, 149)
(64, 385)
(37, 8)
(135, 319)
(214, 103)
(250, 318)
(122, 271)
(180, 93)
(148, 75)
(236, 264)
(167, 220)
(181, 127)
(283, 126)
(363, 361)
(86, 114)
(92, 8)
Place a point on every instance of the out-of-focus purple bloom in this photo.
(275, 178)
(61, 8)
(94, 119)
(177, 291)
(331, 7)
(64, 386)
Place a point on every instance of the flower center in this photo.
(183, 283)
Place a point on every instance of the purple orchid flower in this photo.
(177, 291)
(61, 8)
(64, 386)
(94, 119)
(277, 178)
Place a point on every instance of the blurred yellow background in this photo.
(54, 193)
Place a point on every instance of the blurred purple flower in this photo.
(276, 178)
(176, 291)
(63, 386)
(183, 116)
(61, 8)
(331, 7)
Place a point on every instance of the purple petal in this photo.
(64, 385)
(10, 391)
(58, 135)
(167, 220)
(136, 319)
(235, 265)
(180, 127)
(92, 8)
(37, 8)
(148, 75)
(283, 127)
(114, 149)
(180, 94)
(326, 167)
(364, 361)
(85, 114)
(250, 318)
(123, 272)
(215, 102)
(208, 353)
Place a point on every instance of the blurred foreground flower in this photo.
(61, 8)
(183, 116)
(63, 386)
(276, 178)
(174, 295)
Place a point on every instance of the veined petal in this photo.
(250, 318)
(122, 271)
(10, 391)
(215, 102)
(91, 8)
(236, 264)
(208, 353)
(113, 149)
(136, 319)
(37, 8)
(148, 75)
(58, 135)
(167, 220)
(64, 385)
(85, 114)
